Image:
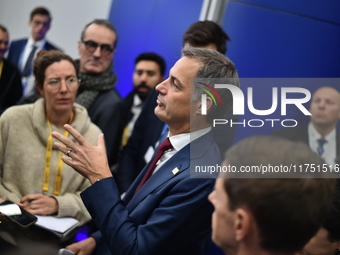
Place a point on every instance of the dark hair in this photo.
(152, 57)
(41, 11)
(102, 22)
(288, 212)
(3, 28)
(215, 67)
(203, 33)
(46, 58)
(332, 222)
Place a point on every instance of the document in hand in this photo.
(59, 226)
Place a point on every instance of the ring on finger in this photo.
(69, 151)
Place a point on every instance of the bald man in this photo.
(320, 134)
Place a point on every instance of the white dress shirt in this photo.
(28, 83)
(178, 142)
(329, 153)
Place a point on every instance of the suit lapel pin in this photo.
(175, 171)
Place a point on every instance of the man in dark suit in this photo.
(320, 134)
(149, 71)
(10, 79)
(168, 213)
(22, 52)
(148, 128)
(96, 92)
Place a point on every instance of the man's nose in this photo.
(161, 88)
(144, 77)
(97, 52)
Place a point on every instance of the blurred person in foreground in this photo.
(32, 173)
(327, 239)
(268, 215)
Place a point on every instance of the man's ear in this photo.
(209, 105)
(338, 245)
(242, 224)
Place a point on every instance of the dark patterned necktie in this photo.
(28, 66)
(321, 142)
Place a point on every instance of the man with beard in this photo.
(149, 71)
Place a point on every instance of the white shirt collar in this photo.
(40, 44)
(181, 140)
(137, 101)
(315, 135)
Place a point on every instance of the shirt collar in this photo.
(136, 100)
(316, 135)
(181, 140)
(40, 44)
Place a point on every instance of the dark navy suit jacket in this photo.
(17, 47)
(147, 131)
(10, 86)
(170, 214)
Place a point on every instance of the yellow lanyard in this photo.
(58, 179)
(1, 67)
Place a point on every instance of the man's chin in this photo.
(93, 69)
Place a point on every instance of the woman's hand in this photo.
(39, 204)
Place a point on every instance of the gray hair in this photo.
(102, 22)
(216, 67)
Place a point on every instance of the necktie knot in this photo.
(165, 145)
(321, 143)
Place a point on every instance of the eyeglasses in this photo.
(91, 46)
(38, 23)
(54, 85)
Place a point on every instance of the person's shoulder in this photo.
(9, 66)
(19, 41)
(83, 119)
(50, 46)
(17, 112)
(108, 98)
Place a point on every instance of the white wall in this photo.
(68, 19)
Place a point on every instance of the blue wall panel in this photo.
(155, 26)
(267, 43)
(327, 10)
(277, 42)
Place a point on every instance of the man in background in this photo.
(149, 71)
(320, 134)
(96, 92)
(22, 52)
(10, 79)
(268, 215)
(206, 34)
